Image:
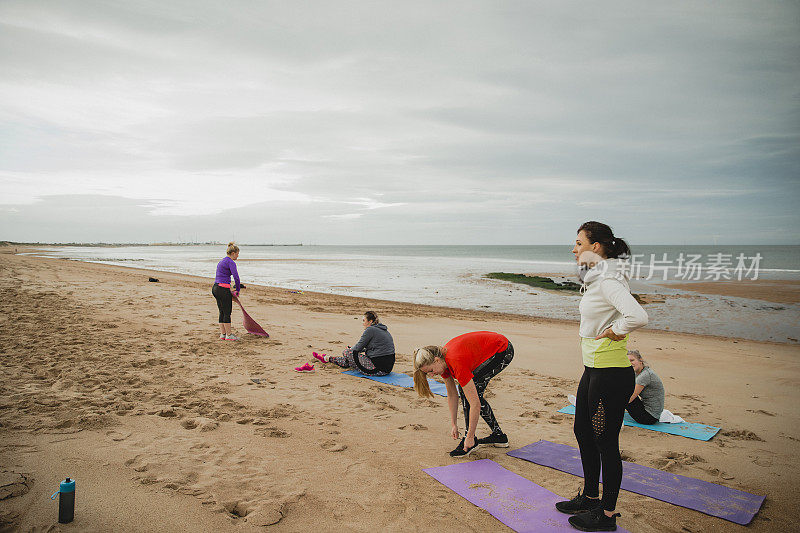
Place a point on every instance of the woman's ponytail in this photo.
(598, 232)
(424, 357)
(620, 248)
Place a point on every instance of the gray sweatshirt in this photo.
(376, 341)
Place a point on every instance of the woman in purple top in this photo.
(223, 291)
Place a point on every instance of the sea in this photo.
(454, 276)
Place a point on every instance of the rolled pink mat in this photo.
(249, 324)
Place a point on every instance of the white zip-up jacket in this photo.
(607, 301)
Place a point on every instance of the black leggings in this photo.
(638, 412)
(603, 394)
(481, 376)
(224, 302)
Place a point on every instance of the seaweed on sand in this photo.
(535, 281)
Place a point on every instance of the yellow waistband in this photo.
(605, 353)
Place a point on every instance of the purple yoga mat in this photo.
(715, 500)
(249, 324)
(517, 502)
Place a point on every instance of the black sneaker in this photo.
(460, 452)
(594, 520)
(578, 504)
(499, 440)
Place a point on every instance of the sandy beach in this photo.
(122, 384)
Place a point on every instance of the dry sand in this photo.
(123, 385)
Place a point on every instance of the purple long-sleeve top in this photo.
(225, 269)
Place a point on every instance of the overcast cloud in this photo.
(399, 122)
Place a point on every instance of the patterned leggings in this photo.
(364, 364)
(481, 376)
(602, 396)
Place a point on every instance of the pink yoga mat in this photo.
(249, 324)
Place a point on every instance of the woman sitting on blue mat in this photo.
(372, 355)
(471, 359)
(647, 400)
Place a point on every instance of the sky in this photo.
(378, 122)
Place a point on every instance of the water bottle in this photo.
(66, 501)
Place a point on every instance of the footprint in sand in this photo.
(189, 423)
(209, 425)
(415, 427)
(762, 461)
(333, 446)
(719, 473)
(118, 436)
(760, 412)
(672, 460)
(741, 434)
(272, 432)
(13, 484)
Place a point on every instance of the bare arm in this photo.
(452, 404)
(471, 392)
(637, 390)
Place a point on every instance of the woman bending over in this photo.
(471, 359)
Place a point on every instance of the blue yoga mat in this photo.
(400, 380)
(687, 429)
(709, 498)
(517, 502)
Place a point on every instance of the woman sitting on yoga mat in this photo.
(223, 292)
(608, 314)
(372, 355)
(647, 400)
(471, 359)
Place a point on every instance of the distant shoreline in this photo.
(665, 306)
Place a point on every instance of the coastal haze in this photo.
(399, 123)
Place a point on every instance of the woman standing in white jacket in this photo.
(608, 314)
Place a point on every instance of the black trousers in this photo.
(638, 412)
(224, 303)
(603, 394)
(481, 376)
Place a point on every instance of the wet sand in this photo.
(123, 385)
(777, 291)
